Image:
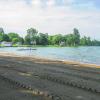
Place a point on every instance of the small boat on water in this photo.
(27, 49)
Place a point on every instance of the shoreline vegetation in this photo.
(34, 46)
(33, 37)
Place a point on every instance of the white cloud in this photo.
(17, 15)
(36, 3)
(50, 2)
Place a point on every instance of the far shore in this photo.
(45, 46)
(47, 60)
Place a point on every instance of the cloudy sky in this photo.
(51, 16)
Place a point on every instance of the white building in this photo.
(6, 44)
(33, 42)
(62, 43)
(18, 43)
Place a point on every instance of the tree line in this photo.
(33, 36)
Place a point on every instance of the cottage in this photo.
(18, 43)
(33, 42)
(6, 44)
(62, 43)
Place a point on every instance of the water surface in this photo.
(89, 55)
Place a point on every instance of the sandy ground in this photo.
(27, 78)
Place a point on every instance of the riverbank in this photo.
(47, 79)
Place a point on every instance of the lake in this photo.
(89, 55)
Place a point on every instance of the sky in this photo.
(51, 16)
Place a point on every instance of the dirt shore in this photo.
(27, 78)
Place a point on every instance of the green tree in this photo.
(6, 37)
(43, 39)
(27, 40)
(85, 41)
(15, 40)
(95, 43)
(31, 33)
(50, 40)
(13, 35)
(1, 34)
(21, 40)
(76, 36)
(1, 37)
(57, 39)
(1, 30)
(70, 40)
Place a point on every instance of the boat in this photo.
(27, 49)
